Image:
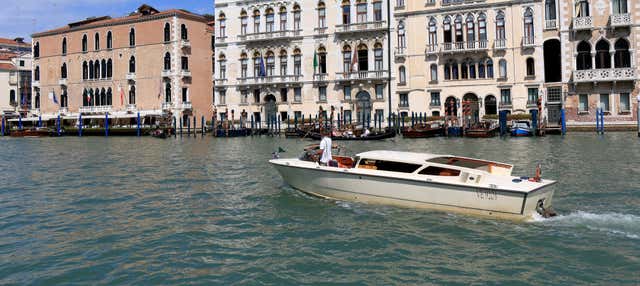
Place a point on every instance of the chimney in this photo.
(19, 40)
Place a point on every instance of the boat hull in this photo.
(423, 133)
(349, 185)
(481, 132)
(373, 136)
(521, 132)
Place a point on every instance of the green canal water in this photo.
(205, 211)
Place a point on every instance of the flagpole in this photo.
(389, 56)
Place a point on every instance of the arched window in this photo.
(446, 26)
(433, 33)
(346, 59)
(283, 62)
(132, 37)
(297, 62)
(109, 68)
(402, 39)
(184, 35)
(603, 58)
(490, 105)
(85, 70)
(489, 68)
(346, 12)
(322, 15)
(622, 57)
(363, 58)
(167, 61)
(244, 65)
(322, 60)
(378, 57)
(270, 65)
(434, 72)
(64, 46)
(256, 21)
(500, 32)
(620, 7)
(471, 30)
(283, 18)
(84, 43)
(582, 8)
(167, 92)
(132, 94)
(96, 42)
(167, 32)
(464, 70)
(36, 74)
(447, 71)
(531, 67)
(503, 68)
(550, 9)
(482, 29)
(361, 11)
(37, 99)
(109, 97)
(528, 26)
(482, 69)
(132, 64)
(109, 40)
(583, 59)
(296, 17)
(243, 22)
(472, 68)
(36, 50)
(402, 75)
(270, 20)
(63, 70)
(85, 97)
(91, 70)
(103, 97)
(256, 64)
(459, 37)
(64, 98)
(103, 70)
(12, 98)
(96, 69)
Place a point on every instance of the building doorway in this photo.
(490, 105)
(363, 106)
(552, 61)
(474, 112)
(270, 108)
(451, 106)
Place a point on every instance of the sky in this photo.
(21, 18)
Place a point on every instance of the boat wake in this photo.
(613, 223)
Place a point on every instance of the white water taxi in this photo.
(439, 182)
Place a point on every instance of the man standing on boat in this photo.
(325, 148)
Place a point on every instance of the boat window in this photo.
(390, 166)
(466, 163)
(437, 171)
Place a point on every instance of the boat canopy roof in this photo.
(424, 158)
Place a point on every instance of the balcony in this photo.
(95, 109)
(434, 104)
(63, 110)
(35, 111)
(131, 107)
(403, 105)
(256, 38)
(400, 52)
(551, 24)
(275, 79)
(528, 42)
(620, 20)
(583, 23)
(185, 43)
(166, 73)
(320, 77)
(35, 83)
(500, 44)
(362, 75)
(185, 73)
(361, 27)
(184, 105)
(505, 105)
(431, 49)
(532, 104)
(62, 81)
(464, 47)
(603, 75)
(451, 2)
(131, 76)
(166, 106)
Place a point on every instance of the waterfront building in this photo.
(152, 62)
(287, 58)
(590, 56)
(15, 83)
(487, 53)
(17, 45)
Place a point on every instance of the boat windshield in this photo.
(390, 166)
(491, 167)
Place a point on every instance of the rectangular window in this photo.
(377, 11)
(283, 95)
(583, 103)
(404, 100)
(347, 92)
(243, 96)
(532, 96)
(322, 18)
(185, 94)
(243, 25)
(223, 97)
(256, 96)
(297, 65)
(184, 63)
(625, 103)
(346, 14)
(505, 96)
(283, 21)
(297, 94)
(297, 114)
(347, 116)
(379, 91)
(296, 20)
(21, 63)
(362, 12)
(604, 102)
(435, 98)
(270, 21)
(322, 93)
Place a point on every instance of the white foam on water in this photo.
(618, 224)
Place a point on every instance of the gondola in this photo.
(31, 133)
(372, 136)
(424, 130)
(485, 129)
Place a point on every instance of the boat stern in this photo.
(539, 202)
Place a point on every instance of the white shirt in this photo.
(325, 146)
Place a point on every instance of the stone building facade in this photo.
(152, 62)
(287, 58)
(488, 53)
(15, 83)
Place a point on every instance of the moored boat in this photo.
(32, 133)
(424, 130)
(347, 136)
(521, 128)
(439, 182)
(485, 129)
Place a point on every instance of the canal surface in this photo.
(143, 211)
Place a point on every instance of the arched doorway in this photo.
(451, 106)
(474, 114)
(552, 61)
(490, 105)
(363, 106)
(270, 108)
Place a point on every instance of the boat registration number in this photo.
(486, 194)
